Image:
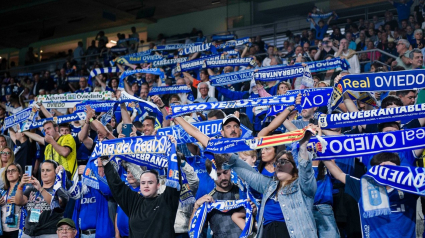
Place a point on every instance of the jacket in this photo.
(296, 200)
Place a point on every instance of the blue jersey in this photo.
(88, 210)
(324, 189)
(400, 223)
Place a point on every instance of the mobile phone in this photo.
(127, 129)
(28, 170)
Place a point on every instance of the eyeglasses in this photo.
(203, 88)
(5, 153)
(68, 229)
(282, 162)
(11, 171)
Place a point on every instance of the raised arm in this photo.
(83, 135)
(35, 137)
(335, 170)
(277, 121)
(193, 131)
(255, 180)
(306, 173)
(44, 111)
(124, 114)
(99, 80)
(158, 101)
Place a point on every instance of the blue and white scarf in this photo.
(170, 90)
(58, 120)
(312, 97)
(209, 128)
(171, 62)
(196, 47)
(152, 151)
(22, 218)
(24, 75)
(98, 71)
(348, 119)
(374, 194)
(224, 206)
(60, 182)
(335, 147)
(286, 100)
(281, 72)
(383, 81)
(17, 118)
(231, 78)
(196, 63)
(142, 106)
(137, 58)
(98, 106)
(222, 37)
(106, 118)
(321, 16)
(154, 71)
(91, 176)
(229, 62)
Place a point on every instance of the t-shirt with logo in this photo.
(400, 223)
(48, 219)
(69, 162)
(88, 210)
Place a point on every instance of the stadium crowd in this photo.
(59, 179)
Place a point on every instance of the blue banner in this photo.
(348, 119)
(154, 71)
(58, 120)
(98, 106)
(118, 49)
(209, 128)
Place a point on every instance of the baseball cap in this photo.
(230, 118)
(66, 221)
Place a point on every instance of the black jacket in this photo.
(148, 217)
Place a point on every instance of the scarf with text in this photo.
(16, 119)
(105, 95)
(374, 194)
(383, 81)
(58, 120)
(280, 72)
(234, 145)
(335, 147)
(60, 182)
(209, 128)
(152, 151)
(169, 62)
(196, 63)
(229, 62)
(314, 96)
(137, 58)
(200, 215)
(321, 16)
(348, 119)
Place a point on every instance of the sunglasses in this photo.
(282, 162)
(5, 153)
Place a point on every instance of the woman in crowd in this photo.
(6, 157)
(268, 158)
(283, 87)
(41, 220)
(10, 221)
(287, 204)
